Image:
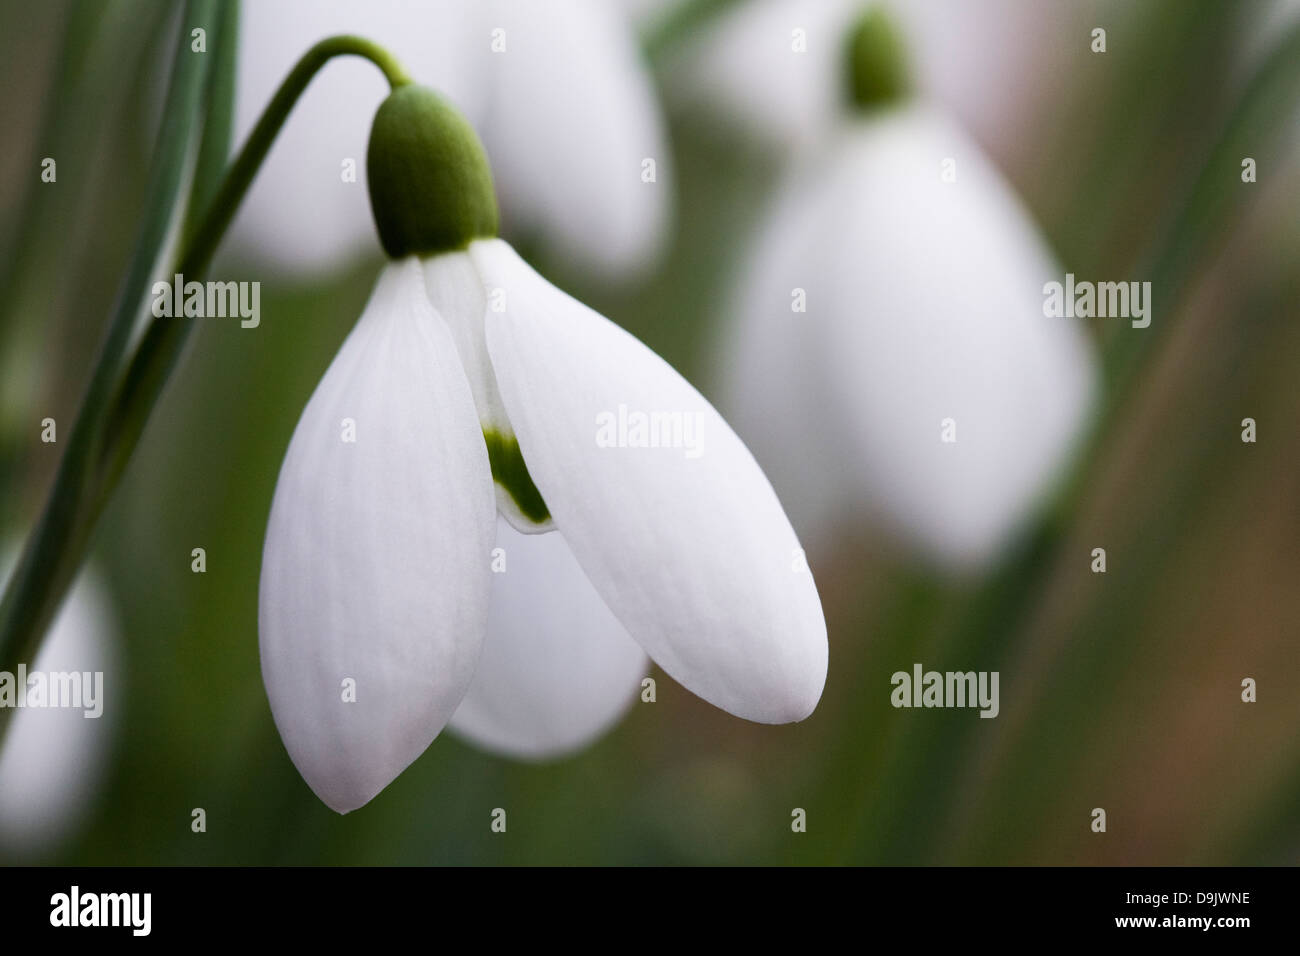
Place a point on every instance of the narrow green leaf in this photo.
(214, 149)
(54, 551)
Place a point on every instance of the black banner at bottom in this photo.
(1172, 905)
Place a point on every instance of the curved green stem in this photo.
(163, 340)
(117, 405)
(198, 254)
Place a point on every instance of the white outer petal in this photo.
(931, 307)
(558, 669)
(300, 215)
(52, 760)
(375, 564)
(694, 555)
(573, 115)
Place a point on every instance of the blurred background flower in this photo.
(887, 351)
(919, 380)
(1120, 689)
(52, 759)
(556, 88)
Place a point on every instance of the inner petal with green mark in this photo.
(458, 294)
(511, 474)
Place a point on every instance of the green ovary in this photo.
(510, 472)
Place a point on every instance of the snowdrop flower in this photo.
(774, 67)
(943, 399)
(52, 759)
(471, 388)
(557, 87)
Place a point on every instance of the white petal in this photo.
(52, 759)
(573, 118)
(557, 668)
(300, 214)
(375, 566)
(925, 303)
(456, 292)
(688, 545)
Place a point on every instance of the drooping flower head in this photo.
(471, 388)
(888, 351)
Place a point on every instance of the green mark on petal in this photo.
(510, 472)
